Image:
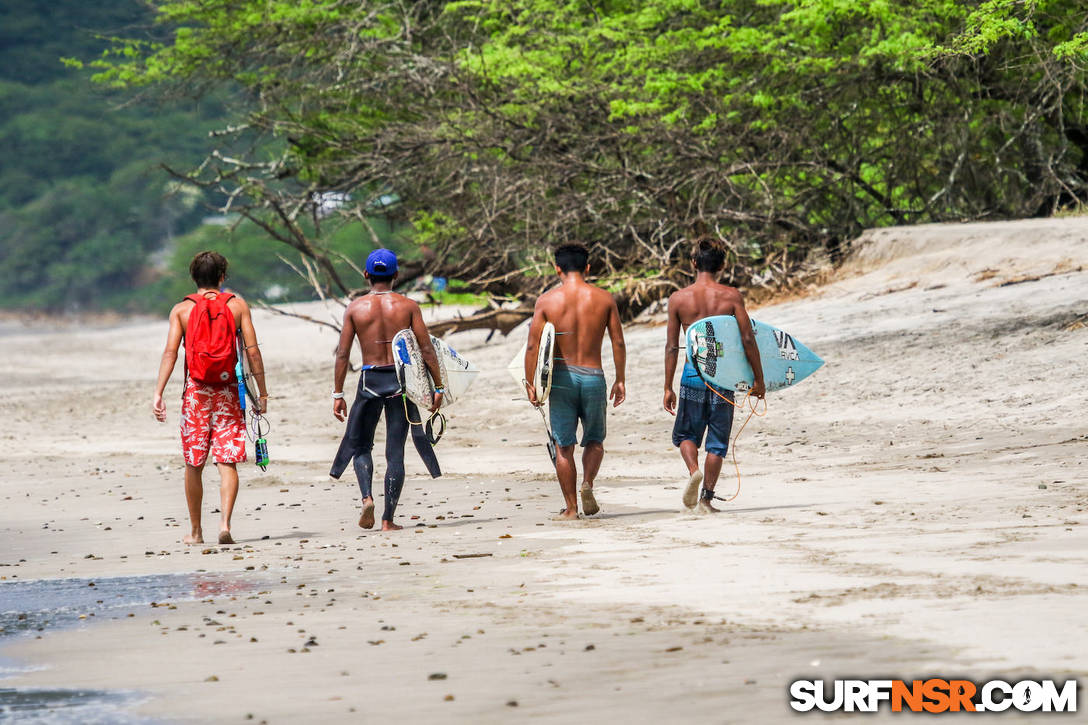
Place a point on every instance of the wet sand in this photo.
(917, 508)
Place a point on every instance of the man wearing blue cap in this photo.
(374, 319)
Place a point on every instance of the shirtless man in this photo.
(211, 415)
(374, 319)
(580, 313)
(703, 409)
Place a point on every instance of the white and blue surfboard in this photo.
(714, 348)
(457, 372)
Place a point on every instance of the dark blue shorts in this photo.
(702, 410)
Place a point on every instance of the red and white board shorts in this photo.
(212, 420)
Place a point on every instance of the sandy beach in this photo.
(918, 507)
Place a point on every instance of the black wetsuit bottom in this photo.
(379, 391)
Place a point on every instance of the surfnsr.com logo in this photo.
(933, 695)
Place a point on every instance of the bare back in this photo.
(376, 318)
(705, 300)
(580, 313)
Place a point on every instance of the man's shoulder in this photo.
(181, 306)
(237, 303)
(363, 303)
(555, 293)
(728, 290)
(682, 295)
(604, 300)
(406, 302)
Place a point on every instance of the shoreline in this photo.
(918, 507)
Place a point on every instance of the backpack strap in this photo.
(194, 297)
(227, 297)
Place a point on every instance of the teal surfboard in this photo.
(714, 348)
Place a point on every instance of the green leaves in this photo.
(502, 127)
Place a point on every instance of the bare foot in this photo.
(691, 493)
(366, 521)
(589, 502)
(197, 537)
(225, 537)
(705, 507)
(566, 515)
(390, 526)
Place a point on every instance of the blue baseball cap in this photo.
(381, 262)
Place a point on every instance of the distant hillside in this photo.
(88, 218)
(34, 35)
(82, 200)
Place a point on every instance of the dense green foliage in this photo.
(88, 218)
(499, 128)
(257, 267)
(82, 199)
(777, 126)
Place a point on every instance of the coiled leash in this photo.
(753, 408)
(436, 420)
(257, 430)
(258, 426)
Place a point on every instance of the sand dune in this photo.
(918, 507)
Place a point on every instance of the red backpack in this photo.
(210, 354)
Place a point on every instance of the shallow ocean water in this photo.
(37, 606)
(42, 604)
(93, 707)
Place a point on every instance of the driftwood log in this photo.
(500, 319)
(493, 318)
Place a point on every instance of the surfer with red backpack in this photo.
(212, 421)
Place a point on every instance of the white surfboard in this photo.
(542, 377)
(545, 364)
(457, 372)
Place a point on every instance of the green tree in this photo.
(500, 127)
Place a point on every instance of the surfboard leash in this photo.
(753, 408)
(552, 445)
(259, 425)
(428, 424)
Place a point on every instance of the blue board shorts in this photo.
(578, 394)
(701, 410)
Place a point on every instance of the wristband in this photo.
(337, 396)
(440, 390)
